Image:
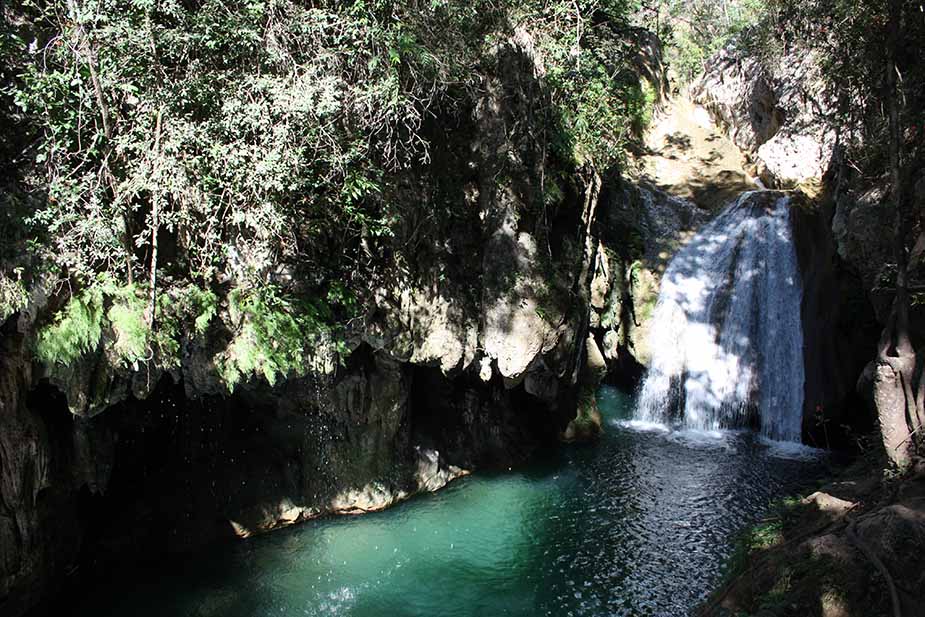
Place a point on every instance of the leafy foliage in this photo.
(848, 40)
(203, 304)
(273, 337)
(240, 119)
(694, 30)
(13, 294)
(598, 101)
(263, 144)
(76, 330)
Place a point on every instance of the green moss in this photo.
(776, 597)
(761, 536)
(645, 296)
(765, 535)
(552, 191)
(586, 425)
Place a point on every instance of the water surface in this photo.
(638, 525)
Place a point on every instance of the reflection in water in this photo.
(727, 339)
(637, 525)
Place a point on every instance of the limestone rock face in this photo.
(588, 422)
(499, 295)
(738, 93)
(641, 229)
(774, 114)
(863, 228)
(425, 326)
(844, 246)
(529, 271)
(39, 472)
(514, 332)
(466, 353)
(839, 326)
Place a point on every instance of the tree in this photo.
(870, 55)
(897, 399)
(265, 148)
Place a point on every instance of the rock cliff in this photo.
(775, 114)
(468, 351)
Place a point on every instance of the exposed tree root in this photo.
(866, 550)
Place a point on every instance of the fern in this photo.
(273, 335)
(127, 318)
(75, 331)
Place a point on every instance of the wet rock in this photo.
(39, 475)
(642, 227)
(839, 327)
(587, 423)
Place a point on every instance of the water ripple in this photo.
(639, 525)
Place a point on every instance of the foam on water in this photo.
(689, 437)
(792, 450)
(643, 426)
(696, 438)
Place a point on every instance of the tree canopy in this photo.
(193, 146)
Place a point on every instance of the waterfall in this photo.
(727, 340)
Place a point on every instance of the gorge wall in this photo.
(774, 116)
(469, 352)
(521, 279)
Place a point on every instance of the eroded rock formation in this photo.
(469, 352)
(775, 114)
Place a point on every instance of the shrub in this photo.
(13, 295)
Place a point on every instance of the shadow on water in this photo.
(637, 525)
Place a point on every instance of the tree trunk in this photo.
(893, 371)
(586, 239)
(155, 226)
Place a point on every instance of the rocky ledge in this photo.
(775, 114)
(854, 548)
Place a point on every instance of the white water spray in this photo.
(727, 339)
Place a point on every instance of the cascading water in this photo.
(727, 340)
